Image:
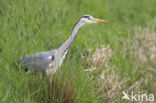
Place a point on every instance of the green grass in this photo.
(29, 26)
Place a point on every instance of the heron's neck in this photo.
(64, 47)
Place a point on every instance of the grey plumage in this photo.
(38, 61)
(50, 61)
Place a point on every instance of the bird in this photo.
(48, 62)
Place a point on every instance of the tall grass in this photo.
(29, 26)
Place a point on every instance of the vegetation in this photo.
(126, 43)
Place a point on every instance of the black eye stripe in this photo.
(85, 16)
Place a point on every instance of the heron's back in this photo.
(38, 61)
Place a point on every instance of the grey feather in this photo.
(38, 61)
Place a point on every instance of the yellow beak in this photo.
(99, 20)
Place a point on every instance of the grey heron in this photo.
(48, 62)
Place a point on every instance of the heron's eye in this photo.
(89, 18)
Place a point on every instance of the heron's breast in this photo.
(62, 58)
(53, 66)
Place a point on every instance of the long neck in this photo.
(64, 47)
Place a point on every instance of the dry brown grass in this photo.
(145, 43)
(107, 83)
(145, 53)
(101, 56)
(142, 49)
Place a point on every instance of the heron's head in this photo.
(87, 19)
